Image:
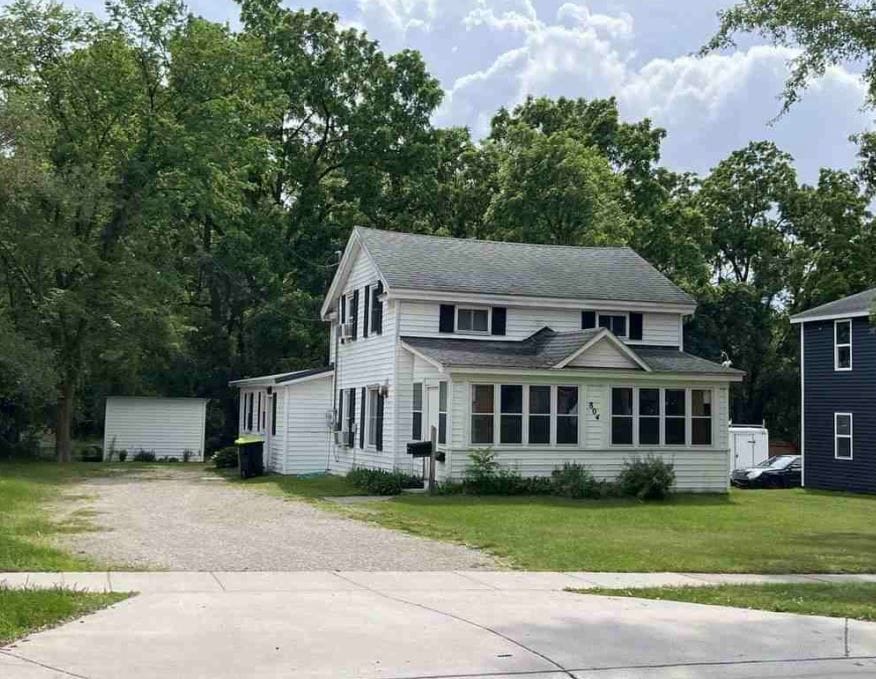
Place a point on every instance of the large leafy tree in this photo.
(81, 113)
(828, 32)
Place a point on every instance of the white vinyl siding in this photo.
(166, 427)
(420, 319)
(370, 361)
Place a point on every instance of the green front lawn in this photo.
(853, 600)
(23, 611)
(311, 487)
(777, 531)
(26, 525)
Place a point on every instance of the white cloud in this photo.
(710, 106)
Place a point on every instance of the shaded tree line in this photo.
(173, 194)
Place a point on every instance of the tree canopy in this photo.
(173, 194)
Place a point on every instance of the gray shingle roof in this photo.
(856, 305)
(547, 348)
(489, 267)
(279, 378)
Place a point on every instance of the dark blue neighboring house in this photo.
(838, 385)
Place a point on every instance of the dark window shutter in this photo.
(588, 320)
(362, 395)
(273, 415)
(249, 416)
(366, 318)
(354, 313)
(343, 308)
(499, 317)
(351, 418)
(635, 326)
(340, 410)
(447, 319)
(378, 308)
(378, 438)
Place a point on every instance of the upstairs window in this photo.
(617, 323)
(473, 320)
(842, 345)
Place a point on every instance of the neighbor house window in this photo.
(482, 409)
(442, 412)
(674, 426)
(617, 323)
(842, 423)
(842, 345)
(539, 415)
(373, 396)
(472, 320)
(649, 417)
(701, 417)
(511, 421)
(417, 412)
(622, 416)
(567, 415)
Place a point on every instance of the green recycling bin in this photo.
(250, 456)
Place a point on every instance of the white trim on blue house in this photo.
(850, 436)
(837, 346)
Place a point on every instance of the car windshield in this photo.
(779, 462)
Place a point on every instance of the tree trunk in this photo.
(63, 440)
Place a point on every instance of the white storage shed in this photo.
(749, 445)
(167, 427)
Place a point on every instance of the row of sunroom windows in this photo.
(545, 415)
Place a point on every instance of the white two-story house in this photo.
(546, 354)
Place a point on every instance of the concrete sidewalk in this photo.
(399, 581)
(445, 625)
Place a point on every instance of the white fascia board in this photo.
(421, 355)
(596, 374)
(604, 334)
(409, 294)
(301, 380)
(828, 317)
(346, 263)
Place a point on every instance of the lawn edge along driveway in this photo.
(835, 600)
(770, 531)
(25, 611)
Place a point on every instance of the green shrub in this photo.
(225, 458)
(484, 476)
(167, 459)
(381, 482)
(187, 455)
(144, 456)
(123, 455)
(650, 478)
(574, 481)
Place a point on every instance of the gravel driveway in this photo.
(189, 519)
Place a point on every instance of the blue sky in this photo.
(490, 53)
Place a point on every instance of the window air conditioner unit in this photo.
(346, 331)
(344, 439)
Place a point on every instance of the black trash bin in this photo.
(250, 456)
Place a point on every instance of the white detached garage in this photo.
(167, 427)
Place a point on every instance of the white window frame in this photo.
(711, 417)
(445, 387)
(837, 346)
(637, 417)
(371, 411)
(837, 436)
(487, 310)
(555, 416)
(634, 416)
(549, 414)
(688, 418)
(625, 314)
(521, 414)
